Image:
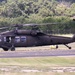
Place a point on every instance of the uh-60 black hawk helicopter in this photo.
(9, 40)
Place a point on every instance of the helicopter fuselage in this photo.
(22, 38)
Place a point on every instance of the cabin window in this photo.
(23, 38)
(17, 39)
(0, 38)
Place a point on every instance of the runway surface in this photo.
(45, 53)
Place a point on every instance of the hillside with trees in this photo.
(39, 11)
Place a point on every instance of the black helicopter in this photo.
(9, 40)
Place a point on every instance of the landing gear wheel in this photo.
(5, 49)
(12, 48)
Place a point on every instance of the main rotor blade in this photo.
(34, 24)
(3, 28)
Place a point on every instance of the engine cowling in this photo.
(33, 33)
(26, 32)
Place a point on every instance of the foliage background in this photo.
(39, 11)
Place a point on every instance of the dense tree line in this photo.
(66, 0)
(39, 11)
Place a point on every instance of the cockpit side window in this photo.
(7, 39)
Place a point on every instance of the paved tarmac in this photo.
(44, 53)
